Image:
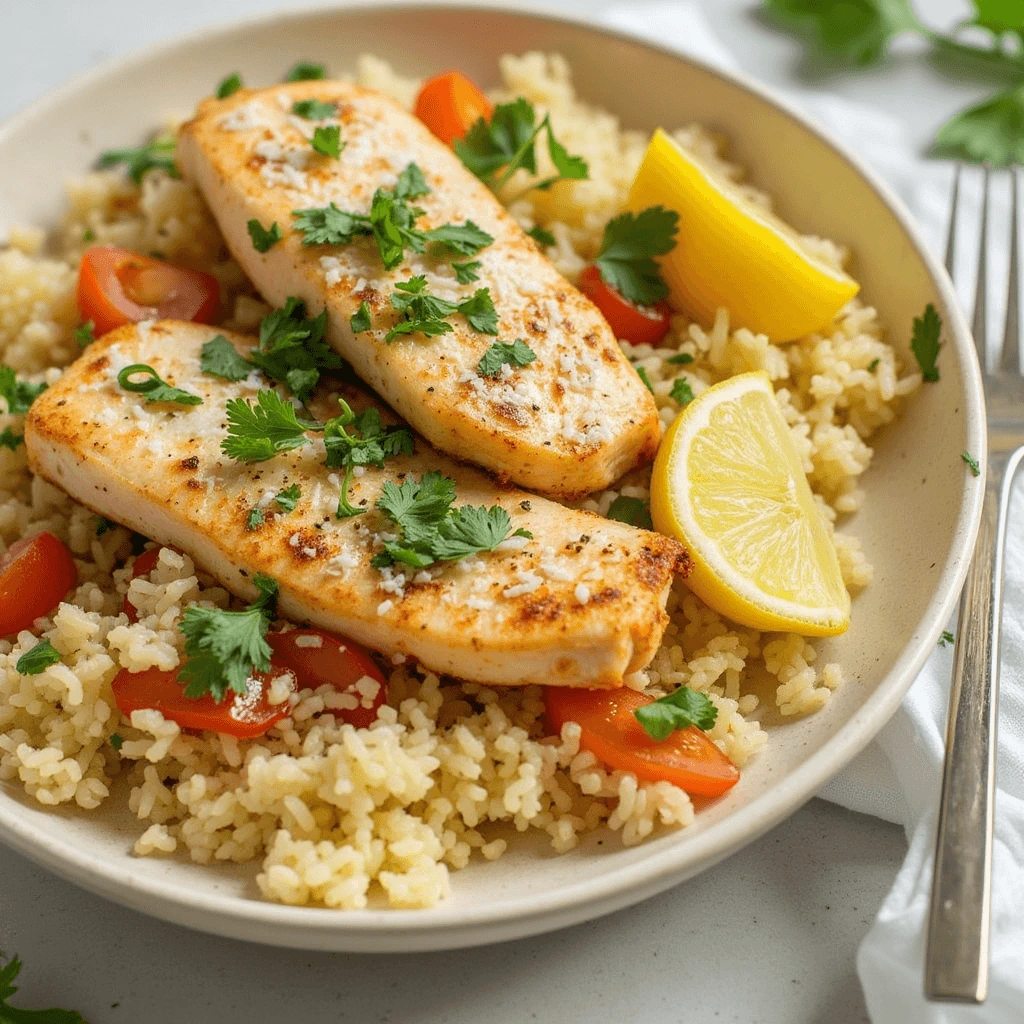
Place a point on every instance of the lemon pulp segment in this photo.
(731, 253)
(729, 484)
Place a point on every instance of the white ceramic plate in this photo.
(918, 525)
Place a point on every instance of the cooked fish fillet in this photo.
(568, 424)
(581, 604)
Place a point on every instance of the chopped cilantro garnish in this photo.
(479, 311)
(466, 272)
(304, 71)
(678, 710)
(991, 131)
(224, 648)
(426, 313)
(327, 140)
(314, 110)
(153, 387)
(518, 353)
(368, 444)
(681, 391)
(263, 238)
(946, 638)
(542, 235)
(431, 529)
(255, 518)
(15, 1014)
(411, 184)
(462, 239)
(9, 439)
(229, 86)
(642, 374)
(155, 155)
(507, 143)
(260, 430)
(925, 342)
(116, 740)
(972, 463)
(103, 525)
(873, 365)
(88, 235)
(632, 511)
(327, 225)
(288, 498)
(680, 359)
(18, 394)
(292, 348)
(37, 660)
(221, 359)
(360, 320)
(630, 243)
(85, 334)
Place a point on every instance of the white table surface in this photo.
(768, 937)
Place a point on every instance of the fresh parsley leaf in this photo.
(37, 660)
(229, 86)
(9, 439)
(462, 239)
(468, 530)
(116, 740)
(155, 155)
(360, 320)
(971, 462)
(925, 342)
(411, 184)
(509, 140)
(518, 353)
(678, 710)
(16, 1015)
(260, 430)
(314, 110)
(292, 348)
(263, 238)
(854, 31)
(626, 258)
(466, 272)
(224, 648)
(85, 334)
(327, 140)
(288, 498)
(153, 387)
(221, 359)
(18, 394)
(992, 131)
(632, 511)
(642, 374)
(681, 391)
(680, 359)
(999, 16)
(88, 235)
(328, 225)
(479, 311)
(426, 313)
(103, 525)
(255, 519)
(305, 71)
(392, 221)
(873, 365)
(542, 235)
(946, 638)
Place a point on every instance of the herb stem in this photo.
(513, 164)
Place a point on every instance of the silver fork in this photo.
(957, 952)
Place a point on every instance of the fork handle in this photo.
(957, 952)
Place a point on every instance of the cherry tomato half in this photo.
(450, 104)
(36, 574)
(118, 286)
(637, 324)
(686, 758)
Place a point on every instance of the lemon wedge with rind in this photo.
(729, 484)
(732, 254)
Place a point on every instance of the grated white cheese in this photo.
(385, 606)
(528, 583)
(331, 266)
(582, 593)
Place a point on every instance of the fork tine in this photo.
(1009, 358)
(951, 235)
(980, 323)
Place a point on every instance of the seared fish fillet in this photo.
(582, 604)
(568, 424)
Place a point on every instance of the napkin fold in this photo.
(898, 776)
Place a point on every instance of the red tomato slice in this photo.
(450, 104)
(641, 325)
(118, 286)
(687, 758)
(144, 565)
(336, 661)
(36, 574)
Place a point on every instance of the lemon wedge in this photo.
(729, 484)
(731, 253)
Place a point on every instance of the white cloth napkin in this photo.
(898, 776)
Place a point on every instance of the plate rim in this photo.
(514, 917)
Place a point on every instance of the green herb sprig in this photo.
(157, 155)
(15, 1014)
(678, 710)
(153, 387)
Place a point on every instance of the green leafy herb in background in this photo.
(9, 439)
(86, 334)
(925, 342)
(989, 44)
(155, 155)
(15, 1015)
(681, 391)
(229, 86)
(305, 71)
(633, 511)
